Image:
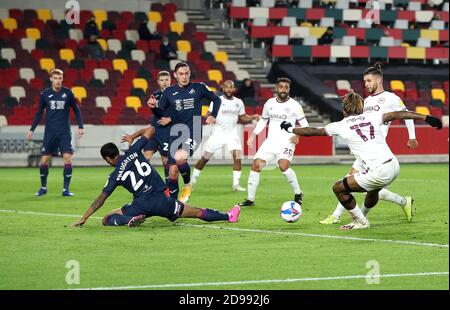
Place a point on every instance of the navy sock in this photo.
(210, 215)
(116, 220)
(166, 173)
(173, 188)
(67, 175)
(185, 171)
(44, 173)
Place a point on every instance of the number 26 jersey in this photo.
(364, 136)
(135, 174)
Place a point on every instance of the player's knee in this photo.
(180, 156)
(337, 188)
(256, 166)
(105, 220)
(284, 167)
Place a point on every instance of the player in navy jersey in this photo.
(182, 108)
(159, 142)
(135, 174)
(57, 101)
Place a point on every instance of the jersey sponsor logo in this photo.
(192, 91)
(57, 104)
(278, 116)
(375, 108)
(381, 100)
(178, 105)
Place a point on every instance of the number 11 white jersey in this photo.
(365, 137)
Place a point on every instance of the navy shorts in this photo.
(54, 144)
(156, 204)
(159, 142)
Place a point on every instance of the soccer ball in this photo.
(291, 211)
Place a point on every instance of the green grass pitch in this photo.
(259, 252)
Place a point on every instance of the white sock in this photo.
(195, 176)
(236, 177)
(357, 215)
(253, 182)
(387, 195)
(365, 210)
(291, 177)
(339, 211)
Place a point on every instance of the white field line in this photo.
(274, 232)
(175, 285)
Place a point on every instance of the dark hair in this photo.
(353, 103)
(109, 150)
(284, 80)
(376, 69)
(180, 65)
(163, 73)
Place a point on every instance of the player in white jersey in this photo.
(380, 101)
(226, 134)
(364, 135)
(278, 144)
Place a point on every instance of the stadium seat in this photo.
(47, 64)
(76, 34)
(17, 92)
(132, 35)
(215, 75)
(133, 102)
(28, 44)
(33, 33)
(103, 44)
(401, 24)
(343, 85)
(103, 102)
(114, 45)
(138, 55)
(397, 85)
(415, 53)
(140, 83)
(154, 17)
(423, 110)
(181, 17)
(79, 92)
(176, 27)
(8, 54)
(221, 57)
(44, 14)
(184, 46)
(66, 54)
(3, 121)
(120, 65)
(100, 17)
(26, 74)
(438, 94)
(210, 46)
(9, 24)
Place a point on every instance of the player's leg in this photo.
(237, 170)
(370, 201)
(166, 167)
(210, 215)
(291, 178)
(181, 157)
(67, 174)
(253, 182)
(43, 171)
(343, 189)
(129, 215)
(406, 202)
(335, 217)
(149, 154)
(199, 167)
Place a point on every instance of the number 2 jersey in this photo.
(135, 174)
(364, 136)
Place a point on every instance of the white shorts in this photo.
(358, 165)
(217, 142)
(378, 177)
(270, 150)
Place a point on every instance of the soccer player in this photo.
(135, 174)
(380, 101)
(182, 106)
(160, 140)
(364, 134)
(278, 144)
(226, 134)
(57, 101)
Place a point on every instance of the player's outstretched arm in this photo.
(97, 204)
(307, 131)
(130, 138)
(246, 119)
(431, 120)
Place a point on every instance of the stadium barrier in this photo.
(16, 151)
